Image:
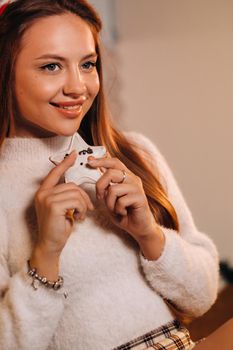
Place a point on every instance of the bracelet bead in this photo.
(56, 285)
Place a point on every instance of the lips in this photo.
(70, 105)
(69, 109)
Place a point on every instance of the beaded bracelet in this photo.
(55, 285)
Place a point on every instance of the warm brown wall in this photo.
(175, 64)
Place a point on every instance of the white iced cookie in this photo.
(80, 172)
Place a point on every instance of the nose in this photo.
(74, 84)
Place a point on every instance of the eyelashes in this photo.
(51, 67)
(88, 66)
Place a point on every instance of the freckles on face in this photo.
(52, 71)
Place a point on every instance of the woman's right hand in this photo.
(52, 201)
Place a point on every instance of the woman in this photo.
(128, 253)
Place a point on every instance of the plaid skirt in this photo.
(171, 336)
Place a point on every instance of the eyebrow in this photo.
(60, 58)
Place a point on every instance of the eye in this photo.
(51, 67)
(89, 66)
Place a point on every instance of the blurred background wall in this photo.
(173, 63)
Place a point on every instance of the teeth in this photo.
(70, 107)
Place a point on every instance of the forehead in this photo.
(61, 34)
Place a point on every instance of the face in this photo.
(56, 79)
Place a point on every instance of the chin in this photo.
(68, 132)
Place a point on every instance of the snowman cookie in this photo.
(80, 172)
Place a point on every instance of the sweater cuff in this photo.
(30, 317)
(23, 280)
(164, 265)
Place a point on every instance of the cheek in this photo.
(34, 88)
(26, 89)
(95, 86)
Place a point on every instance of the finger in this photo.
(69, 195)
(107, 155)
(87, 199)
(64, 187)
(133, 201)
(113, 163)
(73, 187)
(61, 208)
(114, 192)
(103, 170)
(120, 206)
(109, 177)
(55, 174)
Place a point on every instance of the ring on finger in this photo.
(124, 177)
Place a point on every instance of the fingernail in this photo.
(90, 159)
(69, 154)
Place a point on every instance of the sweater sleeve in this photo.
(28, 317)
(187, 272)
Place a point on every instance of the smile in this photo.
(67, 106)
(73, 108)
(68, 109)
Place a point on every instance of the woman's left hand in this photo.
(123, 193)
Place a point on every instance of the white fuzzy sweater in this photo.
(115, 295)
